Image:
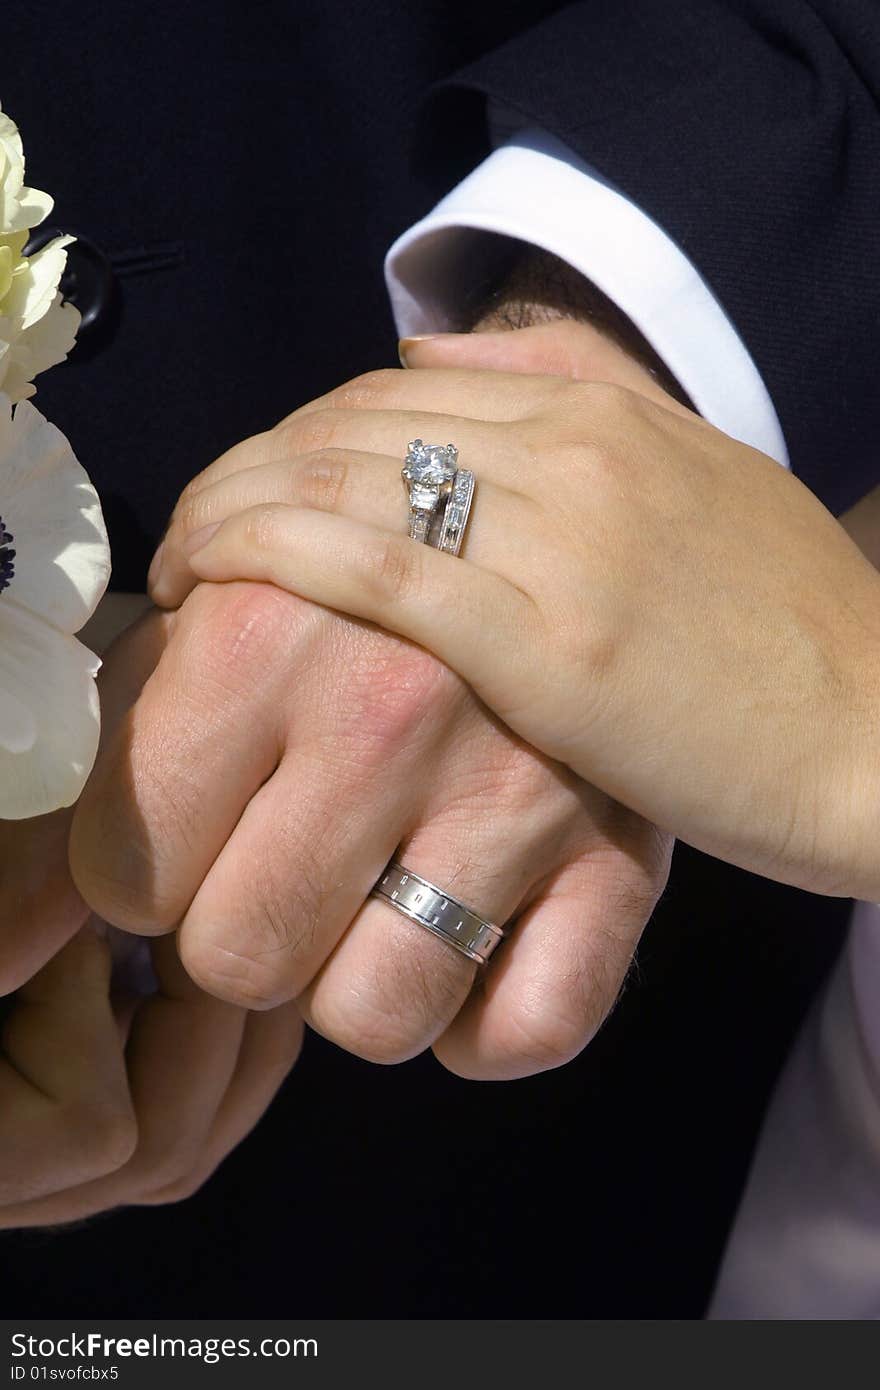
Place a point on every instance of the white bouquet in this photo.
(54, 556)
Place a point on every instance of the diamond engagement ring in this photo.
(439, 912)
(428, 471)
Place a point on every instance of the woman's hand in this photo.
(665, 610)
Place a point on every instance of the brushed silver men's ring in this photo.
(438, 912)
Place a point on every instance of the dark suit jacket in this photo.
(244, 166)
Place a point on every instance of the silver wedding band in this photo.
(458, 509)
(438, 912)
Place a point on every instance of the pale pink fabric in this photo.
(806, 1240)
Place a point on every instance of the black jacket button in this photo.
(87, 281)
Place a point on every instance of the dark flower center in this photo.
(7, 557)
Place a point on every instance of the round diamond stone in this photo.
(430, 464)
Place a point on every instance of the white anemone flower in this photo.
(36, 328)
(54, 567)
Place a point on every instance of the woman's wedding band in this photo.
(439, 912)
(458, 509)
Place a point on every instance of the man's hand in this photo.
(107, 1102)
(111, 1099)
(275, 760)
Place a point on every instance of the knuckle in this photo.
(261, 977)
(239, 980)
(233, 631)
(391, 690)
(391, 1014)
(261, 531)
(388, 1005)
(321, 480)
(373, 1038)
(369, 389)
(308, 434)
(541, 1040)
(547, 1030)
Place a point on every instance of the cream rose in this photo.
(36, 328)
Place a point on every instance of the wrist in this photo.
(540, 288)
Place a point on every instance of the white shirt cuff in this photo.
(536, 190)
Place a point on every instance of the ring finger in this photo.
(367, 487)
(392, 987)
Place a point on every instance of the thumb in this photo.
(562, 347)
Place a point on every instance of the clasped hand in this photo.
(261, 760)
(667, 612)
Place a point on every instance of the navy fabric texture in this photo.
(751, 133)
(280, 147)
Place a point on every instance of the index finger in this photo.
(40, 907)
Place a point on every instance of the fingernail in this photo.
(155, 568)
(405, 344)
(199, 538)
